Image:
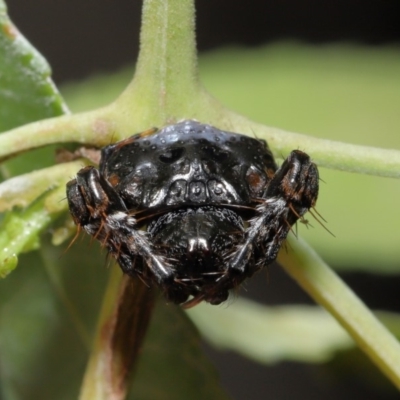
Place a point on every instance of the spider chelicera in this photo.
(191, 208)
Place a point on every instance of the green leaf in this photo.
(280, 333)
(27, 92)
(173, 364)
(46, 317)
(272, 334)
(20, 229)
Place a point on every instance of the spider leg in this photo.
(267, 231)
(97, 208)
(292, 191)
(296, 181)
(126, 241)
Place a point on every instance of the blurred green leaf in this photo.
(338, 92)
(272, 334)
(45, 316)
(173, 364)
(27, 92)
(280, 333)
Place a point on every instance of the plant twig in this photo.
(325, 153)
(22, 190)
(123, 322)
(93, 127)
(325, 287)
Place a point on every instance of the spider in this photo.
(191, 208)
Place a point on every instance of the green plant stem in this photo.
(325, 287)
(22, 190)
(94, 128)
(122, 325)
(166, 80)
(326, 153)
(99, 128)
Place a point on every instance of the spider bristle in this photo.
(258, 200)
(323, 219)
(139, 275)
(78, 231)
(96, 235)
(104, 242)
(287, 246)
(291, 228)
(213, 273)
(254, 133)
(321, 223)
(294, 211)
(300, 217)
(240, 206)
(149, 216)
(184, 280)
(193, 302)
(118, 250)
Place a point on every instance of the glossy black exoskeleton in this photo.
(191, 208)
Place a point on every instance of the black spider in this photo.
(194, 209)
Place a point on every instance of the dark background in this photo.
(80, 37)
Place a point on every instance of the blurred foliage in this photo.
(337, 92)
(173, 362)
(280, 333)
(47, 310)
(27, 92)
(35, 325)
(297, 333)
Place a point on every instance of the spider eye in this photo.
(171, 155)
